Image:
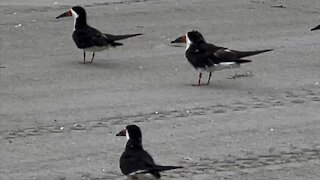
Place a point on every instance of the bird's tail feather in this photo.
(116, 44)
(241, 61)
(120, 37)
(242, 54)
(315, 28)
(164, 168)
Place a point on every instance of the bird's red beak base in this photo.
(122, 133)
(66, 14)
(181, 39)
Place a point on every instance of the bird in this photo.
(315, 28)
(88, 38)
(135, 162)
(208, 57)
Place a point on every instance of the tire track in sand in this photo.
(286, 98)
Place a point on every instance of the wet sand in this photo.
(59, 117)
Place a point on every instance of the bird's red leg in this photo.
(210, 74)
(84, 57)
(92, 57)
(199, 81)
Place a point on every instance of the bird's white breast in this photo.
(143, 176)
(188, 42)
(75, 16)
(221, 66)
(96, 48)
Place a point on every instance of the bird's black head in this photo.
(79, 10)
(132, 132)
(195, 37)
(76, 11)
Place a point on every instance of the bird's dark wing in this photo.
(210, 48)
(225, 55)
(89, 37)
(218, 54)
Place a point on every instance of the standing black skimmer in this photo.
(135, 162)
(208, 57)
(88, 38)
(315, 28)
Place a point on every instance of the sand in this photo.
(59, 117)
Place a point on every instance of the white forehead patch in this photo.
(127, 135)
(188, 42)
(75, 16)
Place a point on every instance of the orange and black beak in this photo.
(66, 14)
(181, 39)
(122, 133)
(315, 28)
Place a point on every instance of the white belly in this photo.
(221, 66)
(142, 177)
(96, 48)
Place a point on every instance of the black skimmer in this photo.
(88, 38)
(315, 28)
(135, 162)
(208, 57)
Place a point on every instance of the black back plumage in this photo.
(87, 37)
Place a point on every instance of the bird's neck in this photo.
(188, 43)
(134, 144)
(193, 48)
(80, 22)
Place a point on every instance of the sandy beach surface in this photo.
(59, 117)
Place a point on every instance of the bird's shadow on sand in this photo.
(228, 84)
(178, 45)
(100, 64)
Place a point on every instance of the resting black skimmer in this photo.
(88, 38)
(208, 57)
(135, 162)
(315, 28)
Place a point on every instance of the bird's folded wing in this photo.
(225, 55)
